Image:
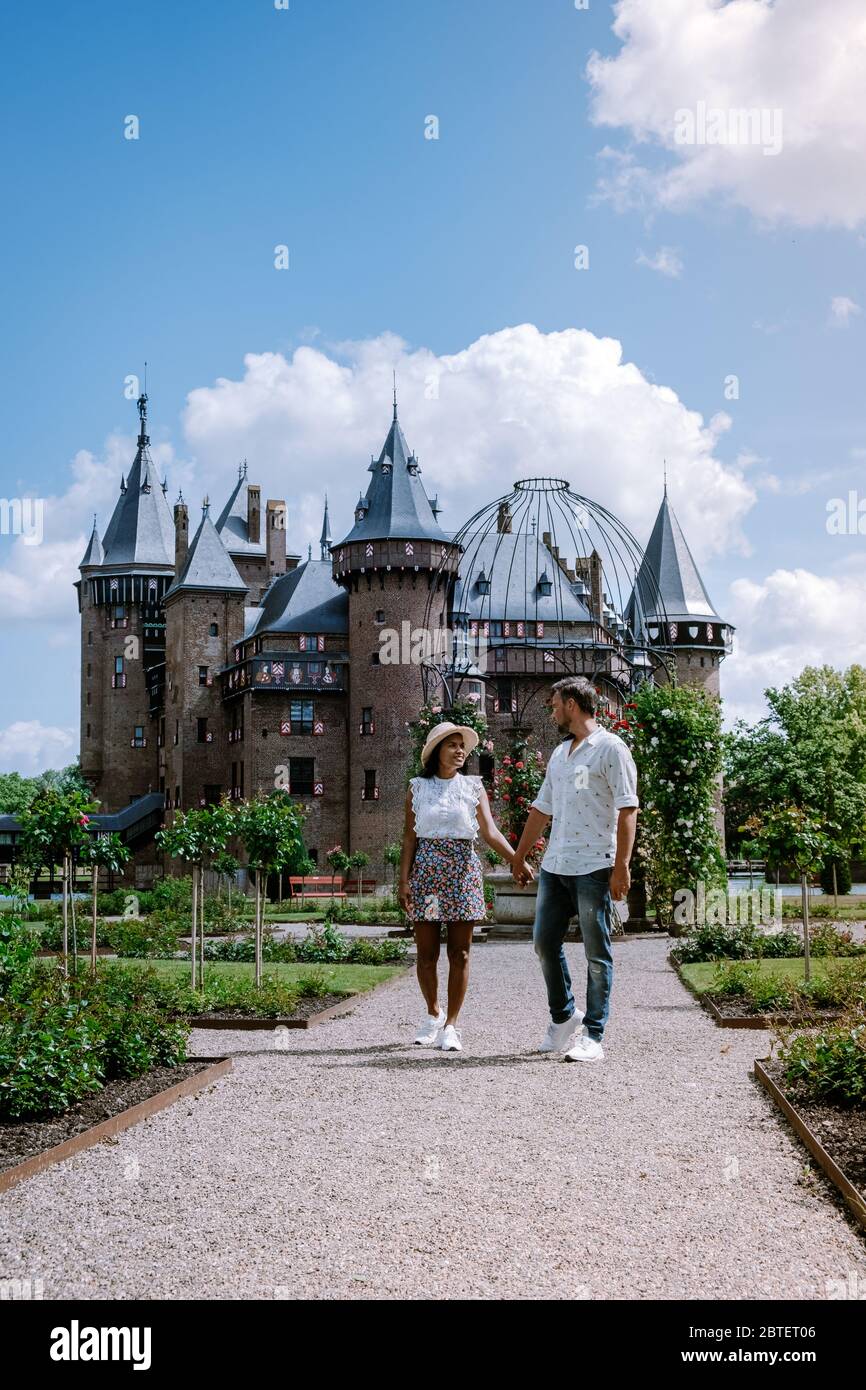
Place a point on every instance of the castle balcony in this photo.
(287, 672)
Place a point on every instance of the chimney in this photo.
(503, 520)
(181, 535)
(276, 537)
(254, 513)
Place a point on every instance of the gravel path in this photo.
(353, 1165)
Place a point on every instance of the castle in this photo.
(219, 662)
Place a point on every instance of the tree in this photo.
(791, 835)
(271, 831)
(226, 866)
(102, 852)
(196, 836)
(338, 860)
(54, 829)
(392, 858)
(359, 861)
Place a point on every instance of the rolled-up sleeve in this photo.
(622, 777)
(544, 801)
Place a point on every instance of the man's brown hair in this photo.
(579, 689)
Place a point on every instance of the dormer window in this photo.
(386, 468)
(545, 585)
(483, 583)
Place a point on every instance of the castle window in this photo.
(201, 734)
(370, 791)
(88, 731)
(90, 639)
(118, 665)
(203, 676)
(380, 615)
(214, 630)
(314, 668)
(212, 794)
(89, 669)
(138, 739)
(374, 659)
(177, 796)
(367, 725)
(176, 730)
(301, 716)
(88, 697)
(301, 776)
(302, 642)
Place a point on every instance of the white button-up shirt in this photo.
(584, 794)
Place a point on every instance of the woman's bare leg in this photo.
(459, 941)
(426, 964)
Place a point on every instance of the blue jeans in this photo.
(561, 897)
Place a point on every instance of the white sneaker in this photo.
(585, 1049)
(428, 1033)
(450, 1041)
(558, 1035)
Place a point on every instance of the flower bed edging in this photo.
(854, 1199)
(217, 1066)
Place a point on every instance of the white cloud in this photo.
(666, 261)
(803, 60)
(513, 404)
(788, 620)
(842, 310)
(29, 747)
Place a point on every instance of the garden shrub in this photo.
(144, 938)
(829, 1065)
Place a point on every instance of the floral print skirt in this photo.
(446, 883)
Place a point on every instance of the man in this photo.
(590, 791)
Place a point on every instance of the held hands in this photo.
(521, 872)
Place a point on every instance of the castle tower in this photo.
(387, 564)
(699, 638)
(123, 580)
(204, 615)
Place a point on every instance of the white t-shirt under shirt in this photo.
(446, 807)
(584, 794)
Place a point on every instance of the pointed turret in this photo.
(140, 532)
(239, 522)
(396, 506)
(325, 538)
(207, 565)
(94, 554)
(670, 607)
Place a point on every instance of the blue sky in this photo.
(306, 127)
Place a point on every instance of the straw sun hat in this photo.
(441, 731)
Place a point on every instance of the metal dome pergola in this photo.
(542, 583)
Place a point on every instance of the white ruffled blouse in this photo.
(445, 807)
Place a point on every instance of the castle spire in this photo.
(325, 538)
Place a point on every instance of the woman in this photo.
(440, 873)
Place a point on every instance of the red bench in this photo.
(316, 887)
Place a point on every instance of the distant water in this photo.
(739, 882)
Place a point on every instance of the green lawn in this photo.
(700, 975)
(341, 979)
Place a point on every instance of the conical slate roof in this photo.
(141, 530)
(668, 585)
(94, 554)
(304, 599)
(207, 566)
(233, 521)
(397, 507)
